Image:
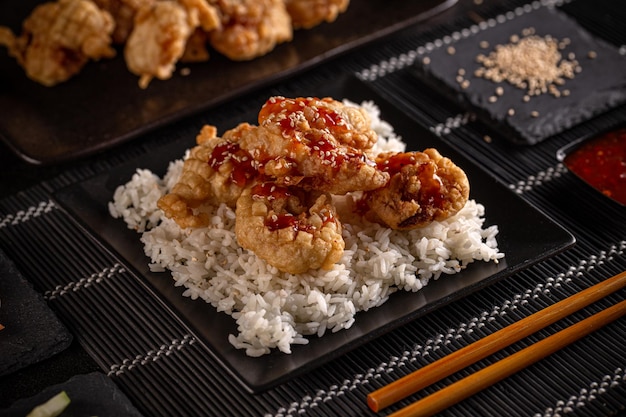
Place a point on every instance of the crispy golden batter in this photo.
(290, 228)
(250, 28)
(313, 144)
(424, 187)
(157, 41)
(123, 12)
(306, 14)
(349, 125)
(215, 172)
(281, 174)
(58, 39)
(160, 34)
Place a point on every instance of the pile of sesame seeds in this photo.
(529, 62)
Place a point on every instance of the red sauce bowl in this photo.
(600, 161)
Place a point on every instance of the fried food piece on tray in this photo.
(160, 36)
(424, 187)
(349, 125)
(290, 228)
(215, 172)
(123, 12)
(306, 14)
(59, 38)
(312, 143)
(250, 28)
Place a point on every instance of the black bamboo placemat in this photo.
(162, 368)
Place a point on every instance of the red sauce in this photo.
(242, 162)
(282, 221)
(325, 118)
(394, 163)
(601, 162)
(430, 193)
(270, 191)
(325, 150)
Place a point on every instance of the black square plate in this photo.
(526, 236)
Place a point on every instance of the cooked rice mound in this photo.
(275, 309)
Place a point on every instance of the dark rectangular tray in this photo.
(103, 106)
(526, 236)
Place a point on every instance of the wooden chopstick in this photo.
(486, 346)
(488, 376)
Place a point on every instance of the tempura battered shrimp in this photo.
(123, 12)
(424, 187)
(289, 228)
(216, 171)
(250, 28)
(306, 14)
(160, 36)
(313, 160)
(157, 41)
(59, 38)
(296, 144)
(349, 125)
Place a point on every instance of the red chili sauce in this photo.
(244, 167)
(601, 162)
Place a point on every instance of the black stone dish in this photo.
(90, 395)
(32, 332)
(599, 87)
(526, 236)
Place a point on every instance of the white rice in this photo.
(275, 309)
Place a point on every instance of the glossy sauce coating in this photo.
(601, 162)
(244, 167)
(431, 187)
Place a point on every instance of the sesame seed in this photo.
(484, 44)
(487, 138)
(493, 99)
(534, 113)
(511, 112)
(426, 60)
(451, 50)
(592, 55)
(531, 63)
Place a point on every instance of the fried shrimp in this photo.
(250, 28)
(59, 38)
(424, 187)
(216, 171)
(290, 228)
(157, 41)
(310, 143)
(306, 14)
(123, 12)
(349, 125)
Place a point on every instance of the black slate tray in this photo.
(32, 331)
(526, 236)
(103, 106)
(599, 87)
(90, 395)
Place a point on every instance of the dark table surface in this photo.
(585, 379)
